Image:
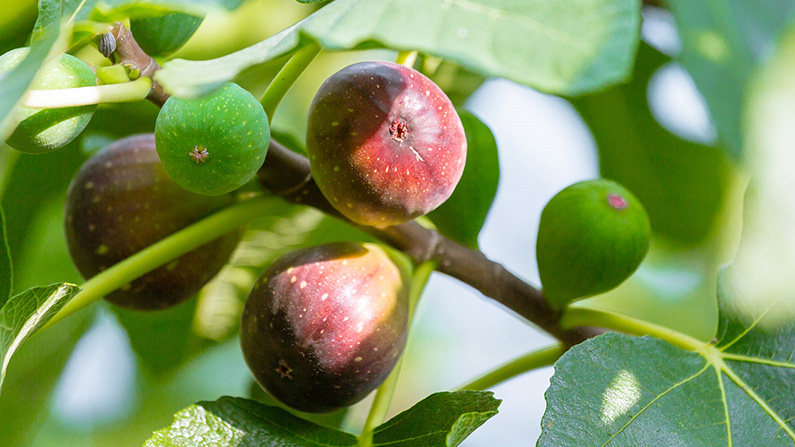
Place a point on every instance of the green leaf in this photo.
(23, 314)
(722, 43)
(627, 391)
(441, 419)
(6, 272)
(619, 390)
(54, 11)
(681, 184)
(462, 216)
(231, 421)
(541, 44)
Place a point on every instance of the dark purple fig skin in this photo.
(385, 143)
(122, 201)
(324, 326)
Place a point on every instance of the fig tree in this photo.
(214, 144)
(591, 237)
(122, 201)
(43, 130)
(385, 143)
(325, 325)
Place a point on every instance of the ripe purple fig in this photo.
(122, 201)
(385, 143)
(325, 325)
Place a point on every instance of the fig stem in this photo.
(383, 397)
(82, 96)
(532, 360)
(579, 313)
(165, 250)
(287, 76)
(406, 58)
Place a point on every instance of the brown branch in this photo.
(131, 55)
(287, 175)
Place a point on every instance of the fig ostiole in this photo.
(214, 144)
(44, 130)
(592, 236)
(325, 325)
(120, 202)
(385, 143)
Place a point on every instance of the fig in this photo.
(385, 143)
(325, 325)
(163, 35)
(44, 130)
(122, 201)
(214, 144)
(592, 236)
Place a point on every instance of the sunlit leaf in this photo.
(442, 419)
(620, 390)
(584, 46)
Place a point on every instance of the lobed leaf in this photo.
(442, 419)
(580, 47)
(26, 312)
(626, 391)
(462, 216)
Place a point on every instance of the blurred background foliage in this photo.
(131, 372)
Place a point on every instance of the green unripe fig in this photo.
(163, 35)
(214, 144)
(122, 201)
(592, 236)
(385, 143)
(324, 326)
(44, 130)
